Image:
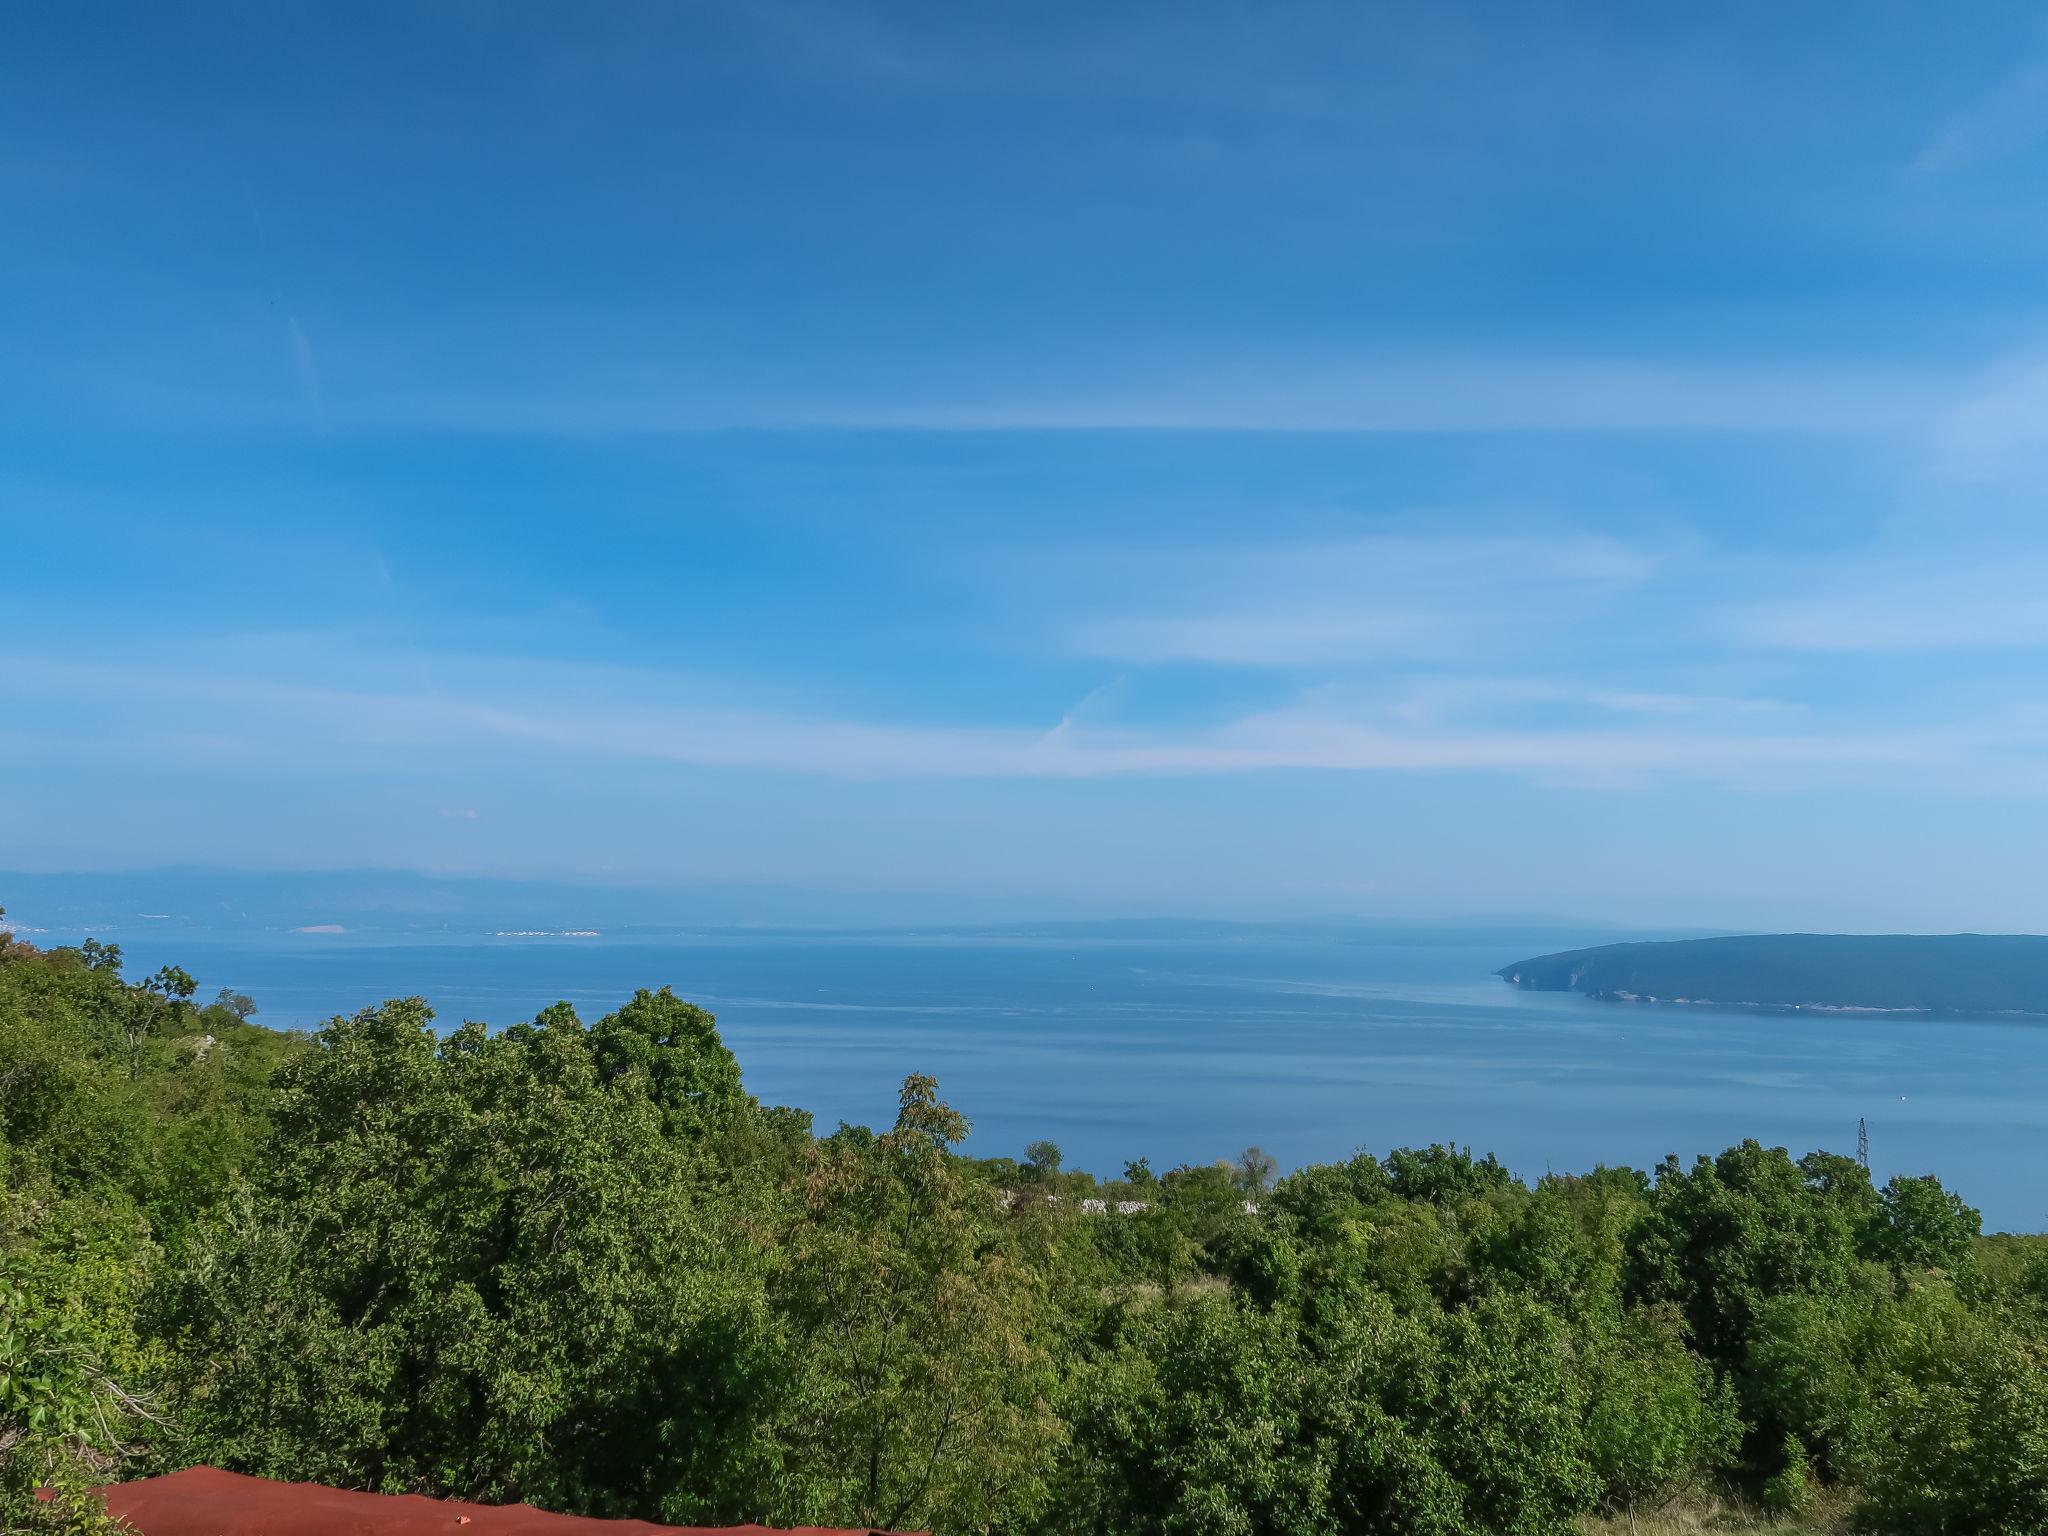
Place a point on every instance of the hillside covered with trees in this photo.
(575, 1263)
(1958, 973)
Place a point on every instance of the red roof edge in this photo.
(205, 1501)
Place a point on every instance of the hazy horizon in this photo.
(196, 899)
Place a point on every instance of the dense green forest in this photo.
(1923, 973)
(577, 1264)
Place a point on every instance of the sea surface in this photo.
(1189, 1049)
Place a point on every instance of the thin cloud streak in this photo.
(1997, 430)
(308, 374)
(571, 384)
(370, 730)
(1451, 396)
(1356, 600)
(1900, 605)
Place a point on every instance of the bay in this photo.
(1187, 1049)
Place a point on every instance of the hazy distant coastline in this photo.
(350, 906)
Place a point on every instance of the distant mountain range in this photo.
(1958, 973)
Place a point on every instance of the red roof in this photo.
(205, 1501)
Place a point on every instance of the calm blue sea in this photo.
(1191, 1049)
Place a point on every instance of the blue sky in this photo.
(1578, 460)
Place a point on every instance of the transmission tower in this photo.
(1862, 1144)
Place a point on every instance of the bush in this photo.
(1960, 1446)
(1787, 1490)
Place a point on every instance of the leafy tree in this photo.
(62, 1418)
(1042, 1161)
(1414, 1252)
(1262, 1261)
(1459, 1423)
(101, 957)
(159, 1003)
(1445, 1174)
(1545, 1247)
(1721, 1239)
(1805, 1375)
(1204, 1201)
(672, 1051)
(919, 1389)
(470, 1265)
(1327, 1199)
(1844, 1183)
(101, 1113)
(1148, 1247)
(1959, 1439)
(1655, 1418)
(1191, 1423)
(1926, 1227)
(174, 984)
(240, 1004)
(1255, 1172)
(1501, 1417)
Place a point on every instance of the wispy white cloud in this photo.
(1996, 429)
(1690, 705)
(592, 379)
(1437, 393)
(1437, 698)
(1941, 601)
(1355, 600)
(262, 721)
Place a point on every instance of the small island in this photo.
(1958, 973)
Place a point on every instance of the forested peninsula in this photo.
(579, 1264)
(1958, 973)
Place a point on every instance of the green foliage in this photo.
(1205, 1202)
(1926, 1227)
(1499, 1411)
(1325, 1198)
(1042, 1160)
(1790, 1488)
(1958, 1440)
(1722, 1239)
(478, 1264)
(1656, 1419)
(1261, 1261)
(1208, 1414)
(110, 1093)
(584, 1267)
(100, 957)
(1191, 1421)
(1445, 1175)
(61, 1417)
(1255, 1171)
(918, 1391)
(1805, 1375)
(671, 1051)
